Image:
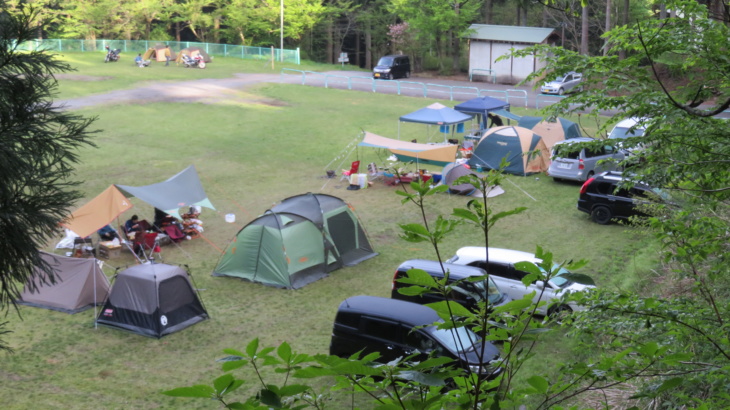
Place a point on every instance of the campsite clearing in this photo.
(249, 156)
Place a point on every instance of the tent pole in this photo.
(96, 266)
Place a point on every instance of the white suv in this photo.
(502, 271)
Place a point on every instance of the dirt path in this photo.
(205, 91)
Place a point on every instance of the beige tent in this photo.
(80, 284)
(98, 212)
(551, 131)
(159, 52)
(435, 154)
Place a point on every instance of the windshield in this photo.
(558, 280)
(457, 340)
(386, 61)
(620, 132)
(493, 294)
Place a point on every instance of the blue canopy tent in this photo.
(448, 119)
(183, 189)
(482, 106)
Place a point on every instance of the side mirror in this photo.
(540, 284)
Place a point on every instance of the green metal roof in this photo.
(517, 34)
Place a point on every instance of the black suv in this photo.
(395, 328)
(605, 199)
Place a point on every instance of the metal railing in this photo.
(400, 87)
(140, 46)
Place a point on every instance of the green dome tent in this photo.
(525, 151)
(297, 242)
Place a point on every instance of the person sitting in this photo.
(162, 219)
(134, 224)
(108, 233)
(140, 61)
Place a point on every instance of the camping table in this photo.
(109, 250)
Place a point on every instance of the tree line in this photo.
(431, 31)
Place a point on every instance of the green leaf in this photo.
(539, 383)
(579, 278)
(270, 398)
(199, 390)
(293, 389)
(284, 351)
(222, 383)
(252, 347)
(669, 384)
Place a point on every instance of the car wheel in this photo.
(590, 175)
(561, 91)
(559, 313)
(601, 215)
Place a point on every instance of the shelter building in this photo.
(488, 42)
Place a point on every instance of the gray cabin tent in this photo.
(79, 285)
(298, 241)
(152, 300)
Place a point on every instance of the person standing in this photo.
(168, 55)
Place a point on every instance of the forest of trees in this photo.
(430, 30)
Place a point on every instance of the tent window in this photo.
(175, 293)
(343, 231)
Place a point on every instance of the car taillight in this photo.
(581, 165)
(395, 276)
(584, 188)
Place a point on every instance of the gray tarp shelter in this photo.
(437, 114)
(80, 284)
(482, 106)
(181, 190)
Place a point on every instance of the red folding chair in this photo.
(353, 170)
(150, 246)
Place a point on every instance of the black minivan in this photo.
(392, 67)
(388, 326)
(466, 292)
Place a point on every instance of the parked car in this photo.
(465, 292)
(627, 128)
(563, 84)
(605, 199)
(501, 268)
(581, 163)
(395, 328)
(392, 67)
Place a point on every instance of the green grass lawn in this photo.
(250, 156)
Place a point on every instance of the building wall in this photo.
(482, 55)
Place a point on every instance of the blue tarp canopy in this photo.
(181, 190)
(482, 106)
(437, 114)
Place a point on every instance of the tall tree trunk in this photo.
(178, 30)
(488, 11)
(608, 25)
(330, 43)
(357, 48)
(584, 32)
(624, 21)
(216, 29)
(455, 49)
(368, 46)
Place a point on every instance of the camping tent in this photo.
(80, 284)
(159, 52)
(152, 300)
(437, 114)
(525, 151)
(453, 171)
(298, 241)
(482, 106)
(192, 52)
(407, 151)
(98, 212)
(183, 189)
(551, 132)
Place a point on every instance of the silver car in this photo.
(579, 164)
(563, 84)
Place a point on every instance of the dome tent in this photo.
(551, 131)
(297, 242)
(152, 300)
(525, 151)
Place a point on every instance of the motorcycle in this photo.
(112, 54)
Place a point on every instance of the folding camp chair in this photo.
(373, 172)
(150, 246)
(353, 170)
